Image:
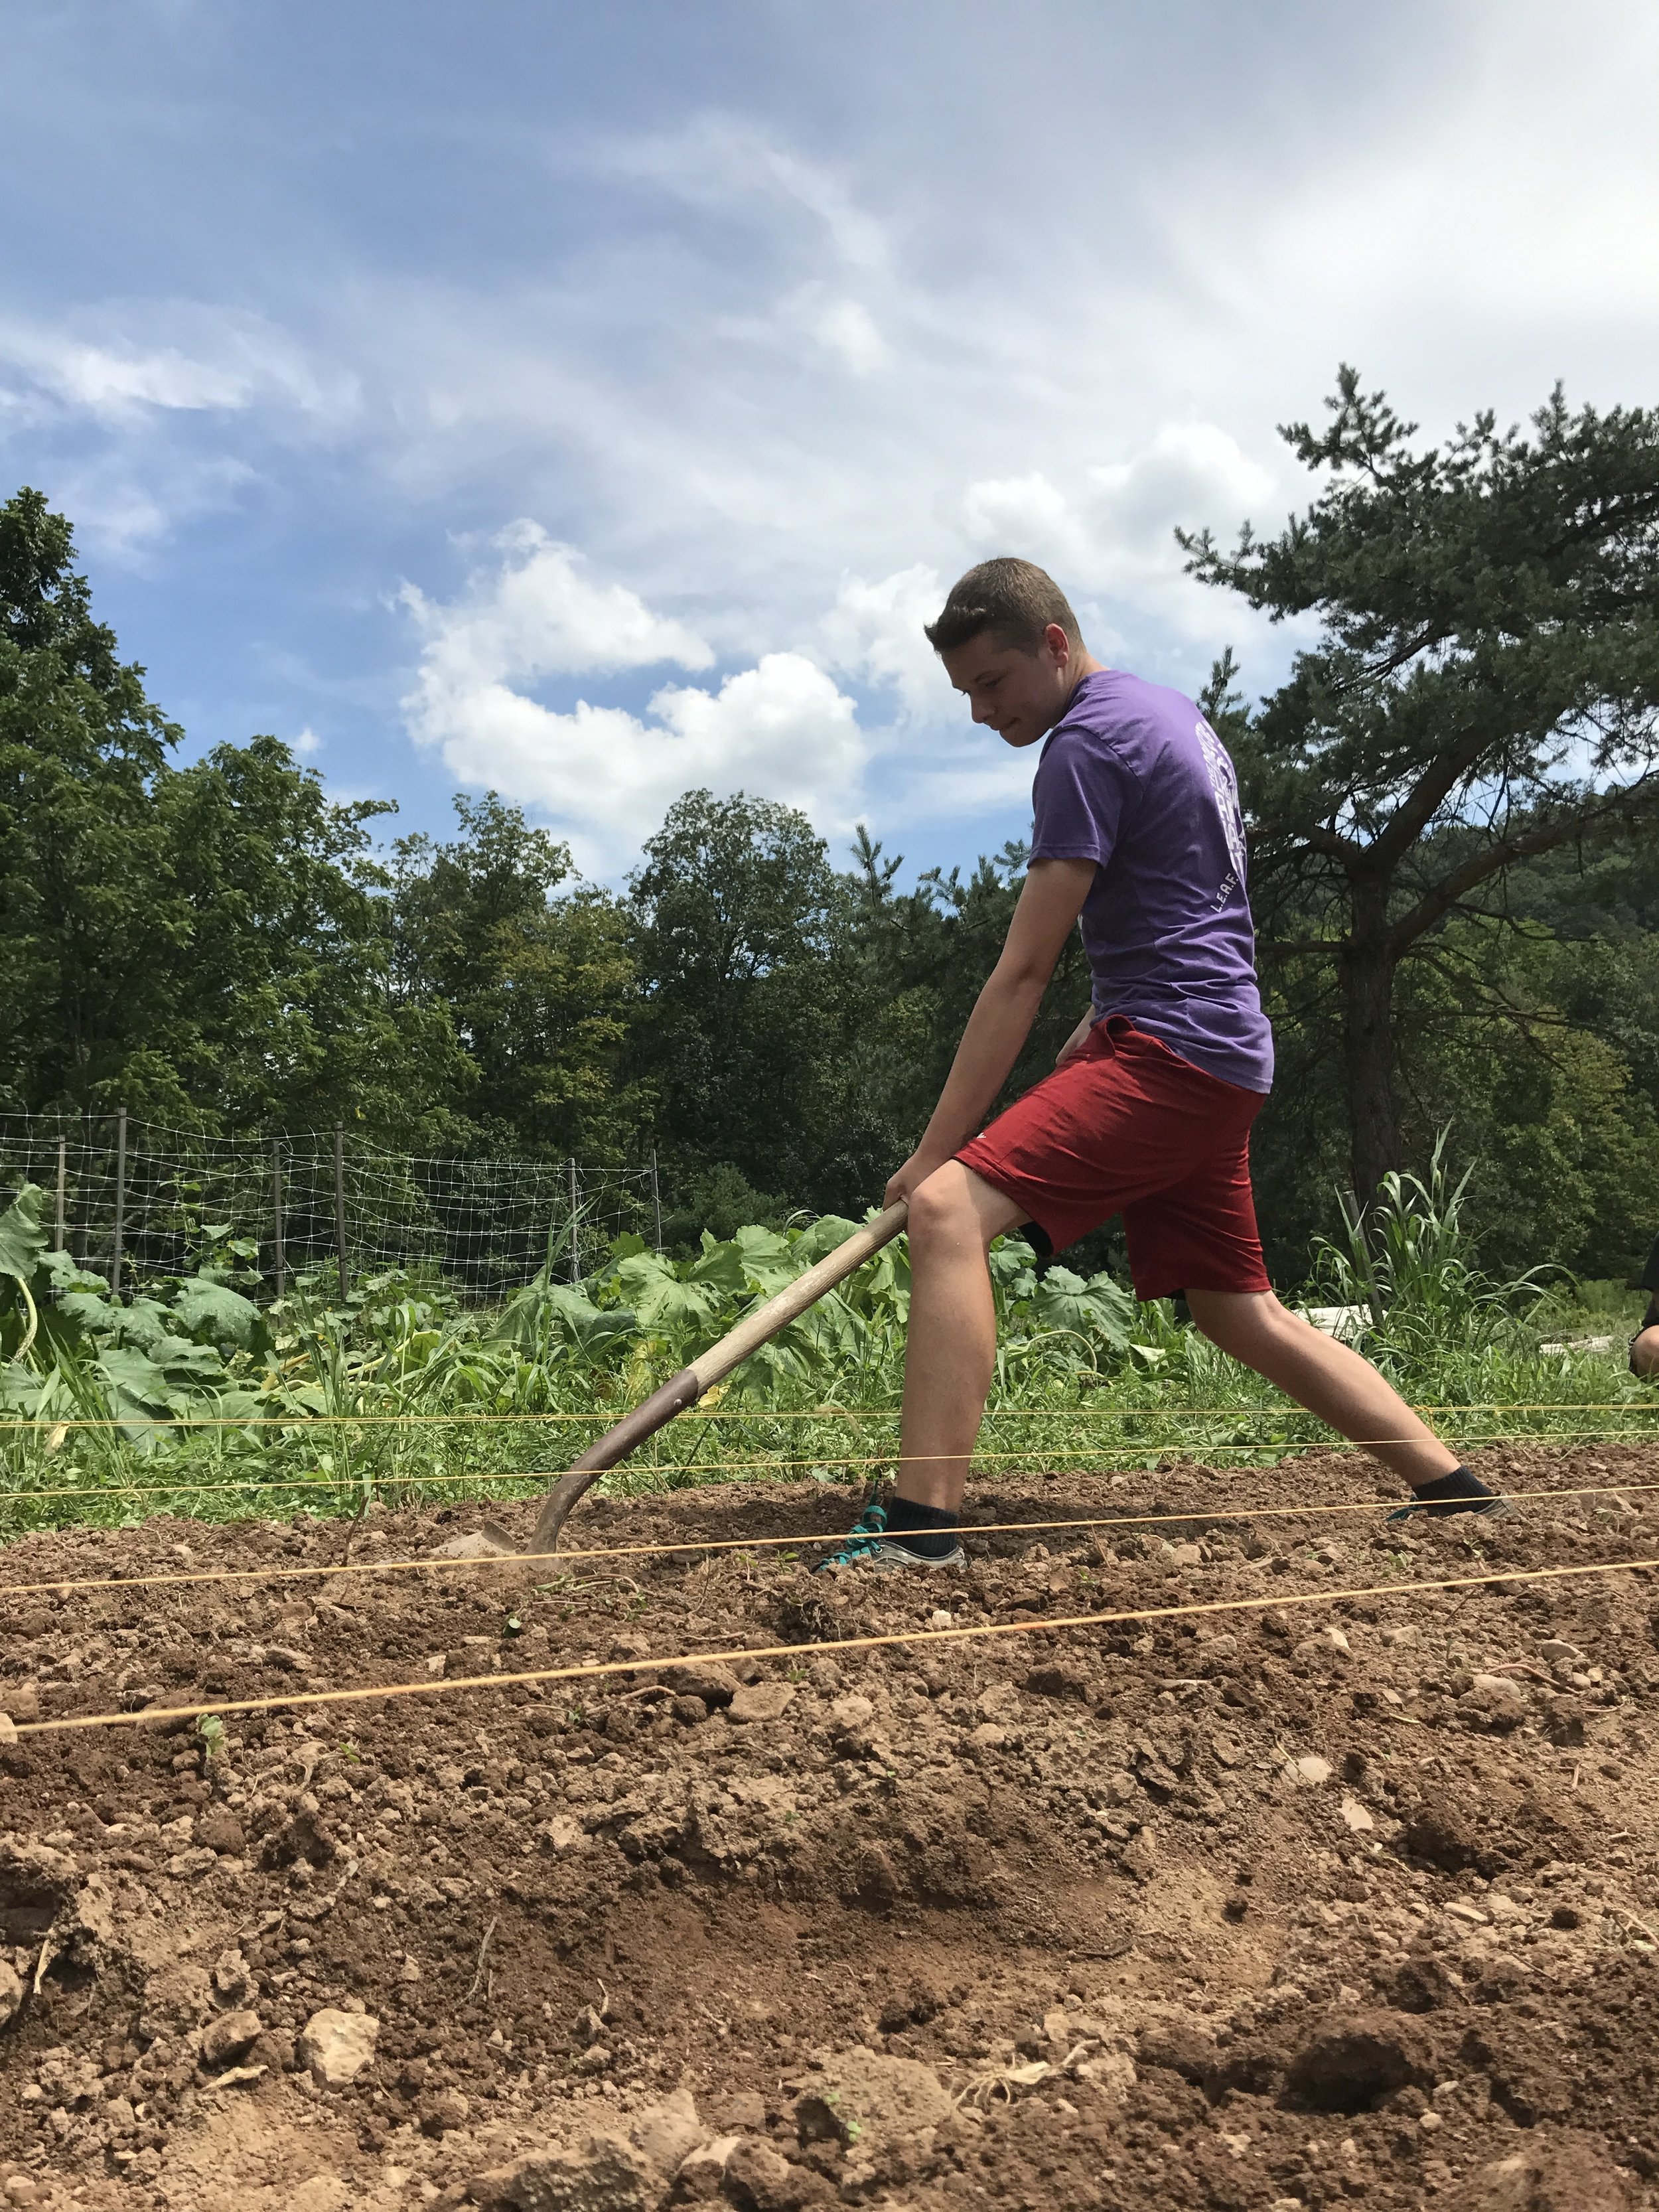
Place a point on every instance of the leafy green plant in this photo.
(1408, 1259)
(146, 1359)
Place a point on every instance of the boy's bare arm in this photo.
(1001, 1020)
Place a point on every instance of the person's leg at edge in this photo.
(951, 1343)
(949, 1355)
(1331, 1380)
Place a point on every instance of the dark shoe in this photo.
(1459, 1492)
(867, 1545)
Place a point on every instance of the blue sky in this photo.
(591, 402)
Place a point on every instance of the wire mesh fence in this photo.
(130, 1198)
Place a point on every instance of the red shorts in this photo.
(1128, 1127)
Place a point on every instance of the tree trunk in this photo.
(1367, 968)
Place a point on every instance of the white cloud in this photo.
(104, 362)
(843, 327)
(1111, 529)
(874, 632)
(139, 398)
(606, 777)
(539, 614)
(724, 161)
(307, 744)
(604, 774)
(126, 509)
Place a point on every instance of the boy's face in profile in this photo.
(1020, 695)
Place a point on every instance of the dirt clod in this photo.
(601, 2174)
(230, 2037)
(1352, 2065)
(219, 1831)
(1571, 2176)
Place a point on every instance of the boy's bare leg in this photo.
(950, 1351)
(951, 1346)
(1330, 1379)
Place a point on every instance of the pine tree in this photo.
(1485, 689)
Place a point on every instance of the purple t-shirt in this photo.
(1134, 779)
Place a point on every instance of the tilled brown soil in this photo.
(1288, 1907)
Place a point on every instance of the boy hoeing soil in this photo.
(1138, 837)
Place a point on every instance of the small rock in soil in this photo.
(441, 2110)
(863, 2097)
(335, 2046)
(219, 1830)
(708, 1680)
(668, 2133)
(760, 1701)
(229, 2036)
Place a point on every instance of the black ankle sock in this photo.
(927, 1530)
(1460, 1483)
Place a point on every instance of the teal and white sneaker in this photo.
(867, 1545)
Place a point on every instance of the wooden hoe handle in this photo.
(682, 1390)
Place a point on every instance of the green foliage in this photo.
(207, 945)
(22, 1250)
(166, 1353)
(279, 1007)
(749, 1002)
(924, 956)
(83, 856)
(1408, 1261)
(721, 1200)
(219, 945)
(535, 972)
(1084, 1378)
(1485, 690)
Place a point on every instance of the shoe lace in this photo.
(865, 1533)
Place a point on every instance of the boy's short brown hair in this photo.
(1015, 598)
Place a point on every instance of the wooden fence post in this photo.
(339, 1205)
(276, 1212)
(120, 1201)
(62, 1193)
(656, 1202)
(575, 1253)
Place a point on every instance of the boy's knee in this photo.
(942, 1204)
(1240, 1322)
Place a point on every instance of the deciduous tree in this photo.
(537, 970)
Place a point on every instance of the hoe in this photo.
(682, 1390)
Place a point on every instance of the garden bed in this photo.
(1297, 1905)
